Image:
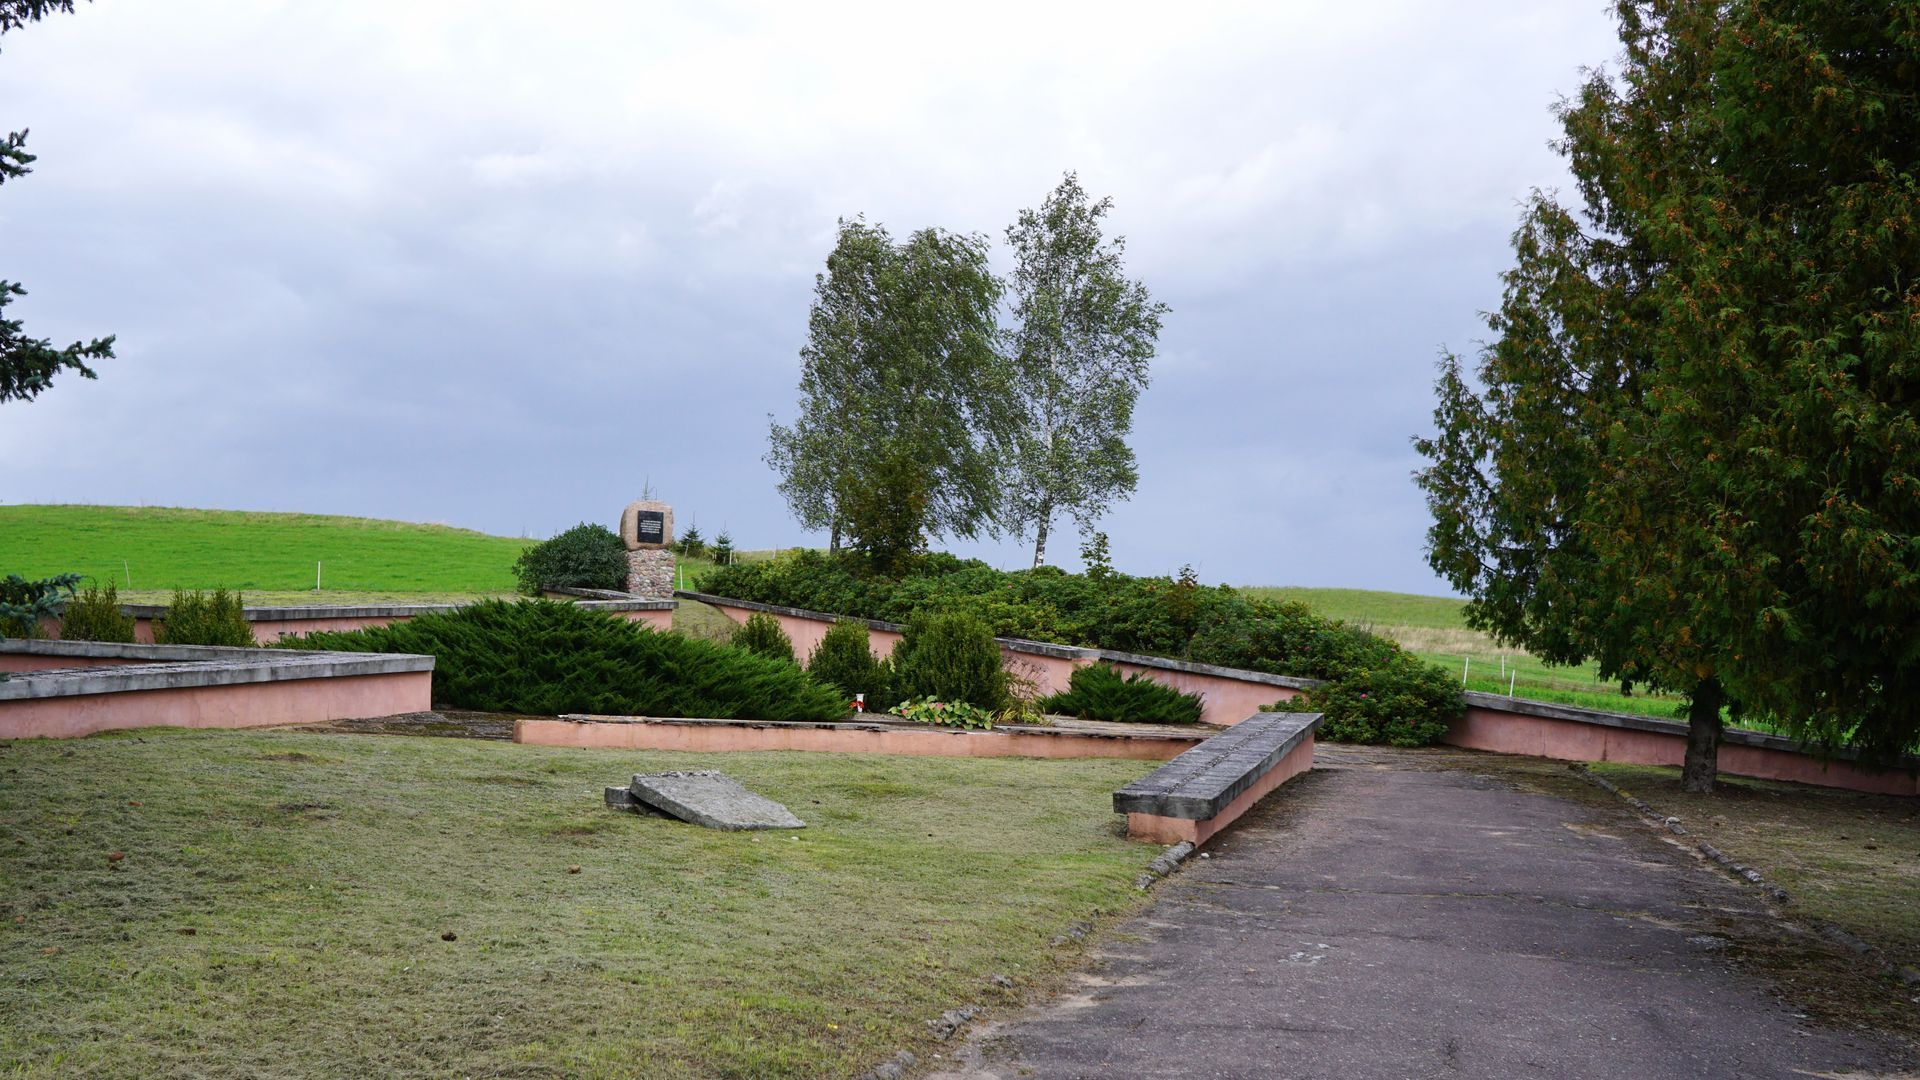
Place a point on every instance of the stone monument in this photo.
(646, 527)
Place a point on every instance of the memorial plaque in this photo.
(650, 526)
(647, 525)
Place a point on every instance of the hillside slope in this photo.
(167, 548)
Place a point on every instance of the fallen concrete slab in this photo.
(710, 798)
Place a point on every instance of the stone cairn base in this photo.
(650, 572)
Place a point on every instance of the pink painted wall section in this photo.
(661, 620)
(269, 631)
(1569, 740)
(806, 633)
(1155, 829)
(727, 738)
(1223, 701)
(290, 701)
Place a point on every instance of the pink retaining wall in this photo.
(291, 701)
(1569, 740)
(1156, 829)
(1224, 701)
(720, 737)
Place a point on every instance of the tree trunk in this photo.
(1040, 544)
(833, 540)
(1703, 739)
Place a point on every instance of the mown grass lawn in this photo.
(295, 904)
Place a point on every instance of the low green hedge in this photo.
(1101, 692)
(544, 658)
(1156, 616)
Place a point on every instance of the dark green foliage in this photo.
(195, 618)
(1399, 705)
(28, 365)
(762, 636)
(544, 658)
(691, 542)
(1101, 692)
(905, 407)
(1179, 619)
(96, 616)
(722, 549)
(1691, 450)
(950, 656)
(584, 557)
(24, 603)
(844, 659)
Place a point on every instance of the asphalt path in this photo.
(1384, 917)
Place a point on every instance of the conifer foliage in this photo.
(545, 658)
(1691, 451)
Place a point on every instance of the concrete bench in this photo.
(1202, 791)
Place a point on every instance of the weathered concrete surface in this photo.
(1387, 921)
(712, 799)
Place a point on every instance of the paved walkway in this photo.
(1380, 918)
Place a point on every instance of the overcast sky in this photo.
(462, 262)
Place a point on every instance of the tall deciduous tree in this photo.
(903, 400)
(28, 365)
(1696, 456)
(1080, 350)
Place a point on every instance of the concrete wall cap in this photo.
(1200, 783)
(224, 669)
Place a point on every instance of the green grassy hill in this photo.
(162, 548)
(1434, 628)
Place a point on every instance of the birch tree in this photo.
(1079, 352)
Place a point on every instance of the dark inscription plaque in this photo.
(649, 526)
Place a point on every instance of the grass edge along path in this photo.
(287, 903)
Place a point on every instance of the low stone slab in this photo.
(713, 799)
(1198, 784)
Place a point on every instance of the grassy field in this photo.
(160, 549)
(319, 905)
(271, 557)
(1432, 628)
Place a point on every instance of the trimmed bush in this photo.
(584, 557)
(194, 618)
(1404, 704)
(544, 658)
(950, 656)
(1101, 692)
(844, 659)
(1180, 619)
(95, 615)
(762, 636)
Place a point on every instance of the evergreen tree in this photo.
(28, 365)
(1695, 455)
